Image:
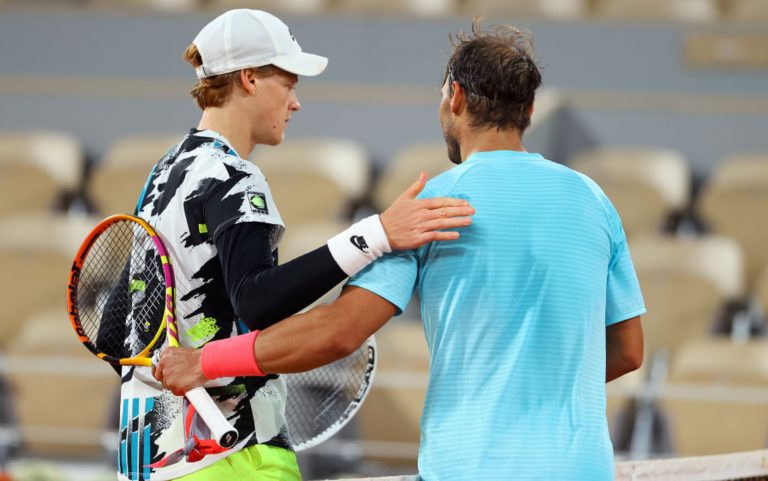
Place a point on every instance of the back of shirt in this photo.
(514, 313)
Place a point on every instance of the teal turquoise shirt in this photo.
(514, 314)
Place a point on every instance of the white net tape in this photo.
(751, 465)
(746, 465)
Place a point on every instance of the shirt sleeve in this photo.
(242, 220)
(392, 277)
(262, 292)
(242, 198)
(624, 300)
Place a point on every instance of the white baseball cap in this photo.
(244, 38)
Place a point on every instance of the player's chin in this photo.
(277, 139)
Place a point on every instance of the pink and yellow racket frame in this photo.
(168, 323)
(223, 432)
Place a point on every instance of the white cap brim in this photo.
(301, 63)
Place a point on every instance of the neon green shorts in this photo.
(260, 462)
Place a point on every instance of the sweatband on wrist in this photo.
(358, 246)
(231, 357)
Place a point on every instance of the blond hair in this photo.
(215, 91)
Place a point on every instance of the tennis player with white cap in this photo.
(217, 216)
(252, 38)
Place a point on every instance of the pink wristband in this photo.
(231, 357)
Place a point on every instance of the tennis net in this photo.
(745, 466)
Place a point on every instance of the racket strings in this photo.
(121, 291)
(324, 397)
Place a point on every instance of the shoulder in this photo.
(596, 192)
(211, 161)
(582, 183)
(445, 183)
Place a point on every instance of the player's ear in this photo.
(458, 98)
(248, 81)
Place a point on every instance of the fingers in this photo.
(440, 202)
(446, 223)
(436, 236)
(442, 236)
(417, 186)
(445, 212)
(157, 364)
(435, 230)
(168, 351)
(157, 371)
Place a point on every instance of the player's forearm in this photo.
(267, 296)
(299, 343)
(323, 334)
(618, 364)
(302, 342)
(309, 340)
(623, 348)
(305, 341)
(261, 292)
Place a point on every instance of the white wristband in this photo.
(358, 246)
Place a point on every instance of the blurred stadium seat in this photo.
(405, 167)
(118, 178)
(160, 5)
(424, 8)
(301, 238)
(717, 397)
(398, 394)
(315, 180)
(760, 295)
(646, 186)
(750, 10)
(676, 10)
(62, 393)
(307, 236)
(39, 170)
(619, 409)
(734, 203)
(731, 51)
(686, 281)
(36, 252)
(283, 6)
(720, 360)
(551, 9)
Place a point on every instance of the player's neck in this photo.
(488, 140)
(231, 126)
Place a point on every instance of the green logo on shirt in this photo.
(258, 202)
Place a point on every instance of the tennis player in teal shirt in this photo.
(527, 315)
(515, 315)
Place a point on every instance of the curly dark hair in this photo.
(498, 72)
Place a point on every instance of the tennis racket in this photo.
(120, 298)
(322, 401)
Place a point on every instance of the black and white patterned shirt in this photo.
(198, 190)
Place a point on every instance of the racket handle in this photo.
(221, 430)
